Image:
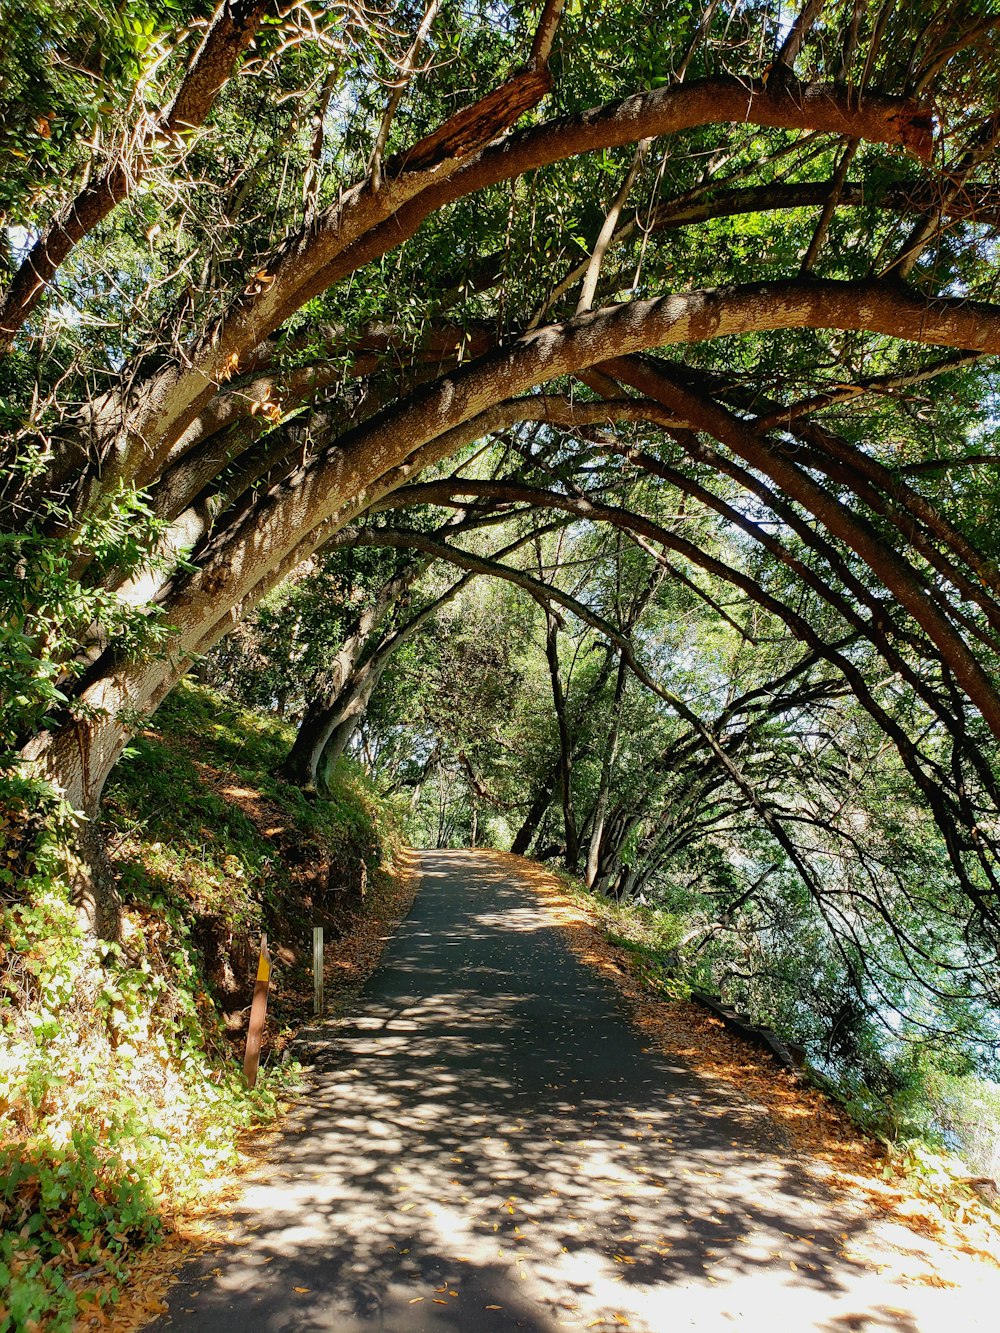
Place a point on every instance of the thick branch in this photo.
(365, 224)
(882, 559)
(363, 466)
(301, 509)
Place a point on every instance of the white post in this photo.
(317, 970)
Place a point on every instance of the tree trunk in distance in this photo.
(541, 802)
(607, 766)
(565, 744)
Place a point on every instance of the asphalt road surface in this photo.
(487, 1145)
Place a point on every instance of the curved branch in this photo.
(665, 111)
(365, 224)
(361, 467)
(883, 560)
(912, 513)
(345, 477)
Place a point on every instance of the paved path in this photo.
(489, 1146)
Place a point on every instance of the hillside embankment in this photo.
(122, 1102)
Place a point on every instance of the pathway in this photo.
(489, 1146)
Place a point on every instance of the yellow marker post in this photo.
(258, 1012)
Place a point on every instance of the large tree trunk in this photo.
(325, 732)
(77, 759)
(302, 764)
(618, 828)
(328, 727)
(92, 876)
(347, 722)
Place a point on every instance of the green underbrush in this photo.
(121, 1089)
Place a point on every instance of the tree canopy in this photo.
(700, 295)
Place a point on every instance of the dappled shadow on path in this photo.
(488, 1145)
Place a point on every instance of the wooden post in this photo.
(258, 1012)
(317, 970)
